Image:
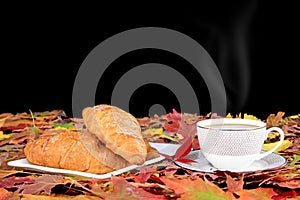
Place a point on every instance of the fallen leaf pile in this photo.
(163, 180)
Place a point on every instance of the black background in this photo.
(43, 46)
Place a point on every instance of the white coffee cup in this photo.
(234, 143)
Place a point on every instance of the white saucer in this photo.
(201, 164)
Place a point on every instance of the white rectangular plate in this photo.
(169, 149)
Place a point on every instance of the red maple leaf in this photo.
(173, 119)
(176, 124)
(144, 174)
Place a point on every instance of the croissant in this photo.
(76, 150)
(73, 150)
(118, 130)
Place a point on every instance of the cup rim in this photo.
(206, 122)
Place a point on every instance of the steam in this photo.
(234, 62)
(228, 37)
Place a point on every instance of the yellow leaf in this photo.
(273, 135)
(246, 116)
(238, 115)
(294, 116)
(158, 132)
(229, 115)
(286, 144)
(4, 136)
(154, 131)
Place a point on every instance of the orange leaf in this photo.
(4, 194)
(256, 194)
(189, 189)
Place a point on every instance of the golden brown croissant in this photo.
(76, 150)
(80, 151)
(118, 130)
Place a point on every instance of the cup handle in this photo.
(280, 131)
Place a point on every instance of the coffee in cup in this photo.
(234, 143)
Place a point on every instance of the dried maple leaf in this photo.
(20, 121)
(43, 183)
(273, 120)
(191, 118)
(292, 184)
(144, 174)
(173, 123)
(6, 173)
(145, 121)
(14, 181)
(189, 189)
(4, 194)
(234, 185)
(56, 197)
(256, 194)
(124, 190)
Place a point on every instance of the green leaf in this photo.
(67, 125)
(36, 132)
(295, 160)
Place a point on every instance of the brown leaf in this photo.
(273, 119)
(234, 185)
